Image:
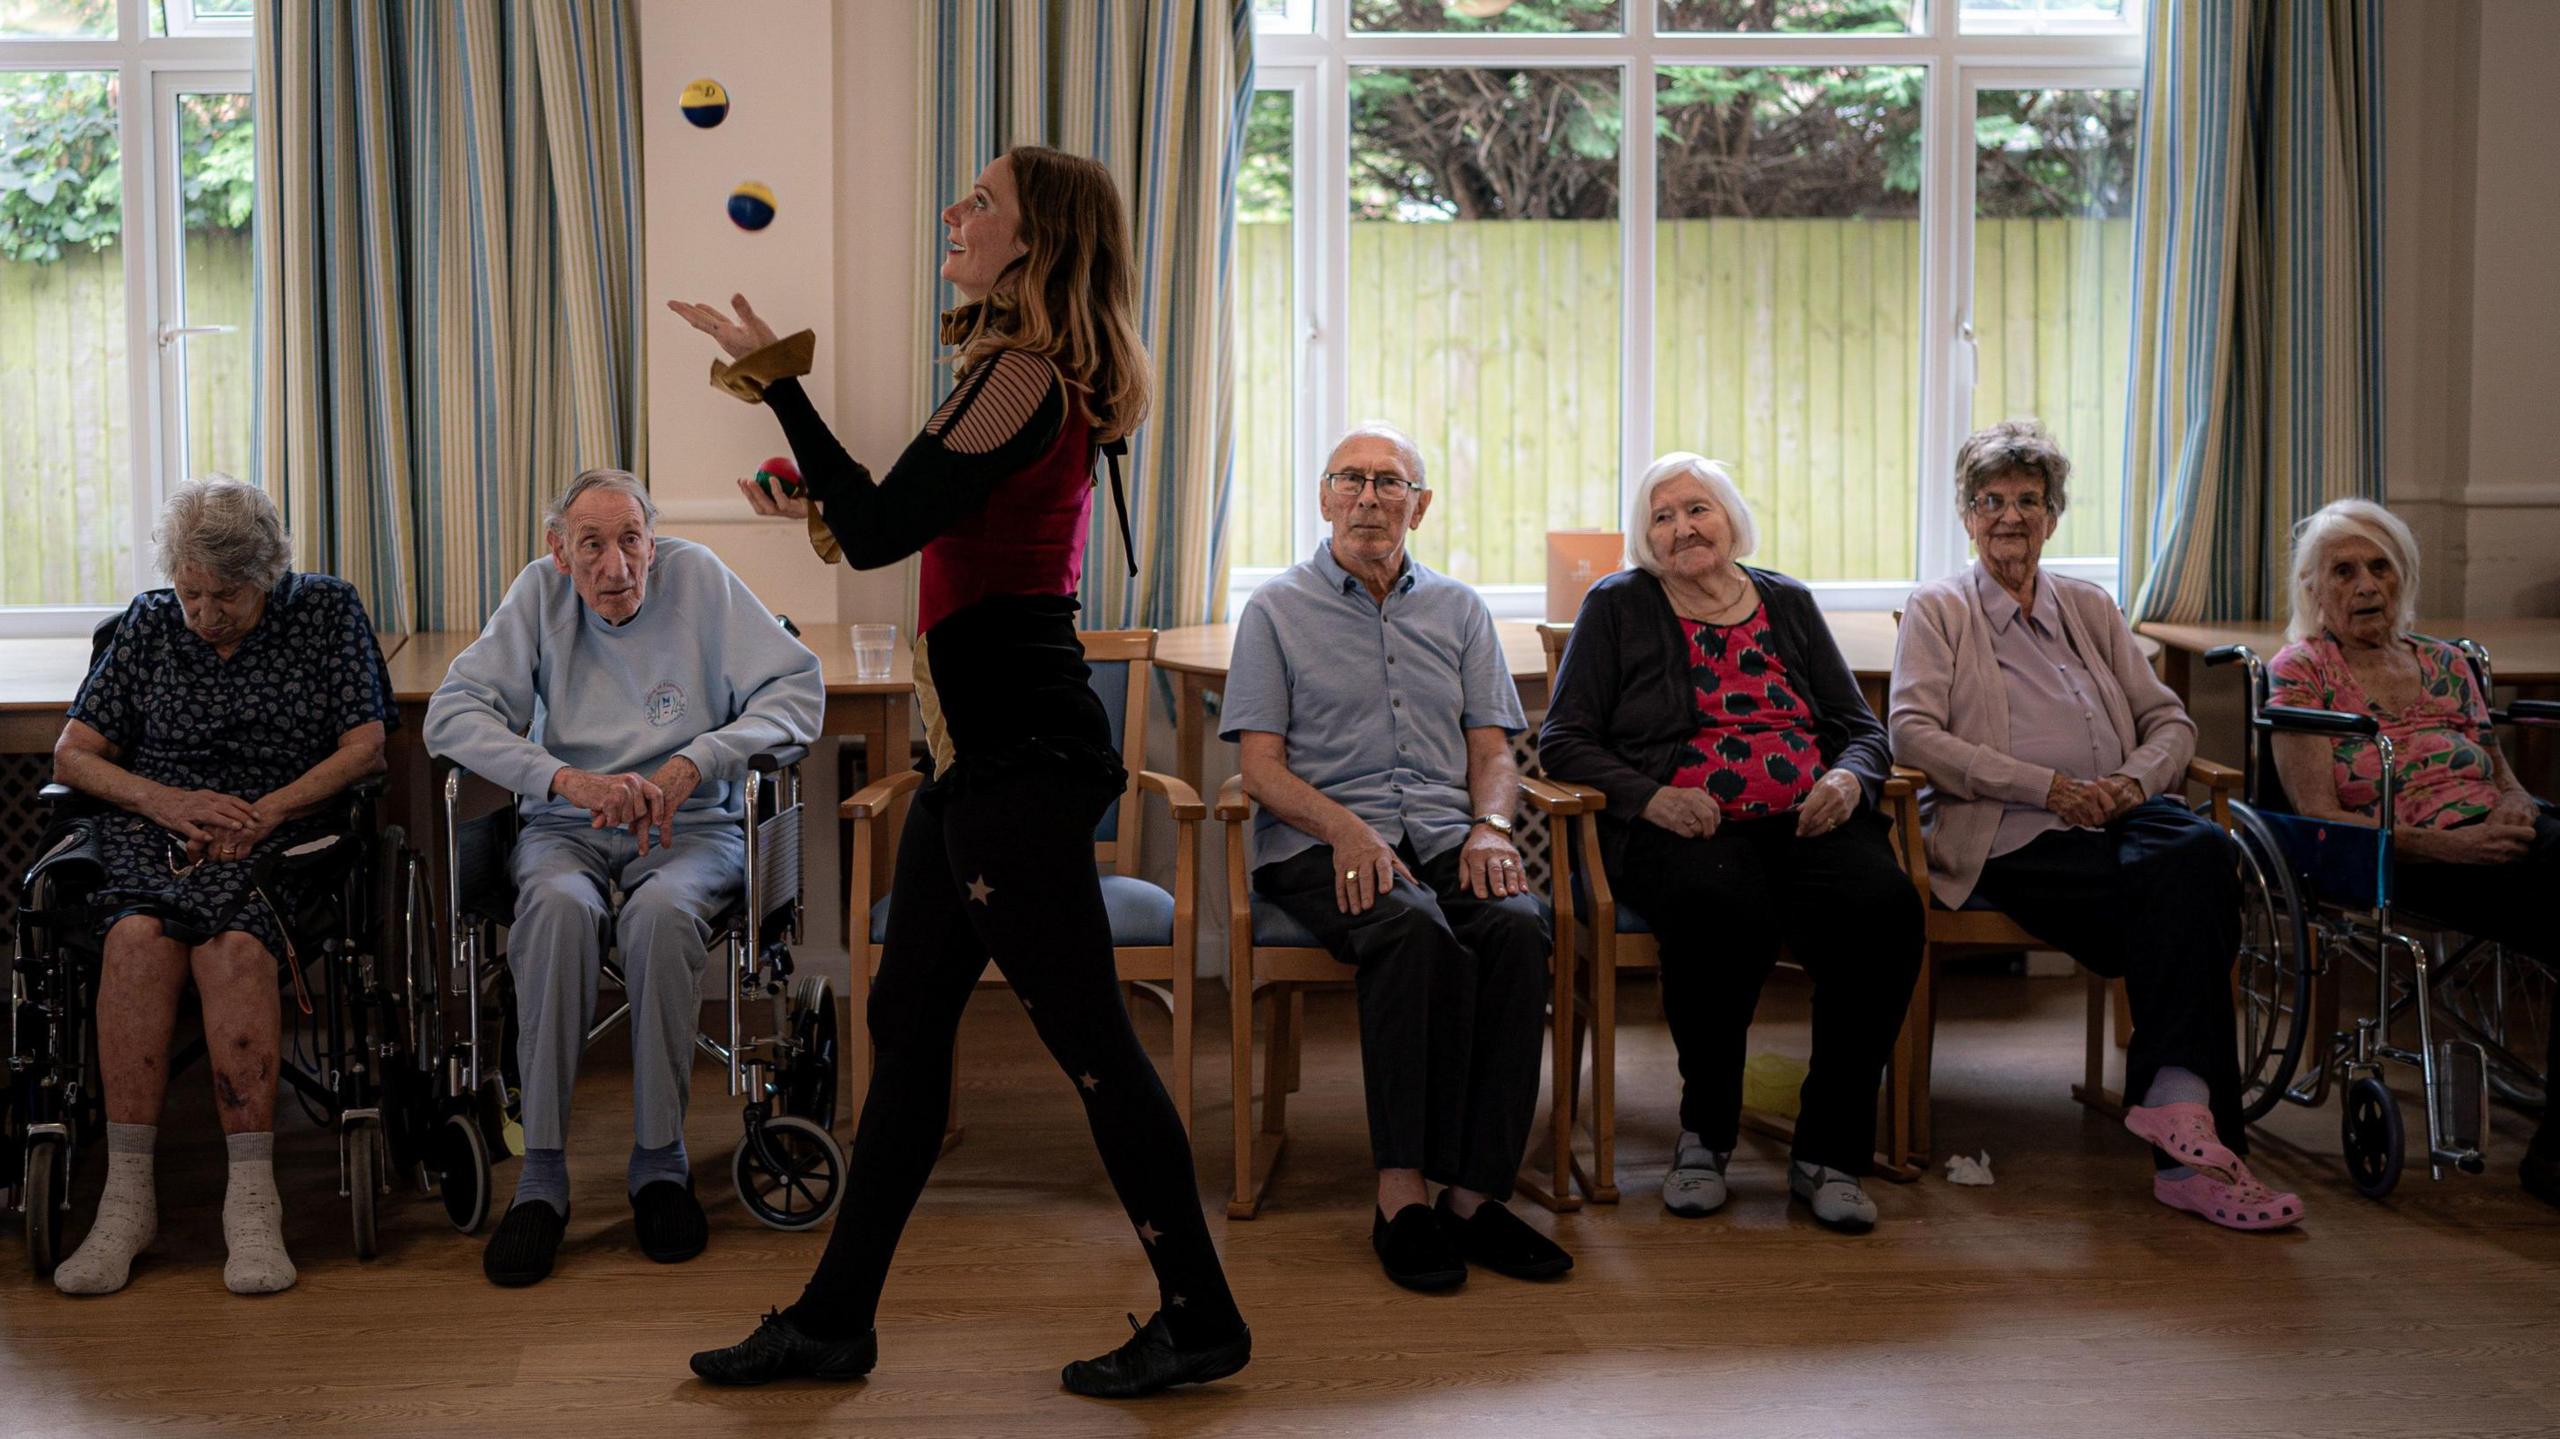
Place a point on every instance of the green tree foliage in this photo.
(1493, 142)
(62, 172)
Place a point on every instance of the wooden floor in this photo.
(2060, 1301)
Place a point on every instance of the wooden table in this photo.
(38, 678)
(2525, 653)
(1197, 657)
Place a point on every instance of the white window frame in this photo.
(150, 72)
(1317, 65)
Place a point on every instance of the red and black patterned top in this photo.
(1755, 749)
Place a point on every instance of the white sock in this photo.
(253, 1219)
(128, 1217)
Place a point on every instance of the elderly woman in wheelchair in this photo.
(2471, 847)
(217, 726)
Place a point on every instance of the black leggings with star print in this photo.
(1003, 867)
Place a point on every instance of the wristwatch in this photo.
(1501, 823)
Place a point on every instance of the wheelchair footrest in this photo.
(2461, 1097)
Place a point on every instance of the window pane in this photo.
(2052, 284)
(214, 193)
(1477, 17)
(1484, 300)
(1259, 520)
(1284, 17)
(2048, 17)
(1799, 17)
(66, 488)
(1787, 303)
(57, 19)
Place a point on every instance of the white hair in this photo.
(229, 528)
(622, 482)
(2350, 519)
(1381, 430)
(1711, 473)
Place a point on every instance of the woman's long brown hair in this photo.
(1072, 297)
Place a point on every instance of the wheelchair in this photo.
(788, 1169)
(2321, 910)
(360, 1039)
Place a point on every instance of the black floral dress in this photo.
(181, 715)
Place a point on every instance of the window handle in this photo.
(1968, 359)
(172, 334)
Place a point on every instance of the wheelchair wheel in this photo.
(2272, 973)
(43, 1194)
(807, 1083)
(462, 1170)
(364, 1187)
(2369, 1129)
(789, 1172)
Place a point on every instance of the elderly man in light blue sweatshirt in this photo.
(619, 692)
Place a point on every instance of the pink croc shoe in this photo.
(2185, 1132)
(2243, 1204)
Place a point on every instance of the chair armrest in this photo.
(1904, 782)
(780, 757)
(1551, 797)
(2219, 777)
(875, 799)
(1179, 797)
(1231, 802)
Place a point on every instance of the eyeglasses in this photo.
(1349, 484)
(1988, 506)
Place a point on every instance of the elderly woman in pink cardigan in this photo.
(2051, 751)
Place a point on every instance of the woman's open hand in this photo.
(741, 336)
(792, 507)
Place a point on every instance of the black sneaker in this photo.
(1151, 1362)
(777, 1350)
(1503, 1242)
(2540, 1173)
(1417, 1250)
(668, 1221)
(526, 1243)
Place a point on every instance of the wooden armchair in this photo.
(1271, 957)
(1155, 934)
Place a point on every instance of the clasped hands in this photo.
(215, 825)
(645, 807)
(2092, 803)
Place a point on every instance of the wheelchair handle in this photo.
(2225, 654)
(2531, 712)
(2290, 719)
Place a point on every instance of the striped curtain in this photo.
(2257, 364)
(1157, 90)
(449, 283)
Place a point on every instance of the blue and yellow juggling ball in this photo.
(751, 205)
(706, 103)
(780, 479)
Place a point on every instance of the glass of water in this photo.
(872, 645)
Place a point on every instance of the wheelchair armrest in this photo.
(1231, 802)
(875, 799)
(2291, 719)
(2531, 712)
(780, 757)
(1550, 796)
(1180, 798)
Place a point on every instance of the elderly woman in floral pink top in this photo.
(2474, 849)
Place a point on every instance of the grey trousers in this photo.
(564, 922)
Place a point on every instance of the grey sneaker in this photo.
(1695, 1185)
(1836, 1199)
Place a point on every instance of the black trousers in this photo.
(2516, 904)
(1453, 1004)
(1722, 906)
(1005, 870)
(2154, 900)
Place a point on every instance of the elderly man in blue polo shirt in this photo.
(1374, 714)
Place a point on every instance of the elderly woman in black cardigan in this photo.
(1706, 700)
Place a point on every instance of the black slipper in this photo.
(668, 1221)
(527, 1241)
(1503, 1241)
(1417, 1250)
(1151, 1362)
(779, 1350)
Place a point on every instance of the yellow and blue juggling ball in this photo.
(751, 205)
(705, 103)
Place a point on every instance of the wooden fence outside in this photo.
(1786, 348)
(66, 492)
